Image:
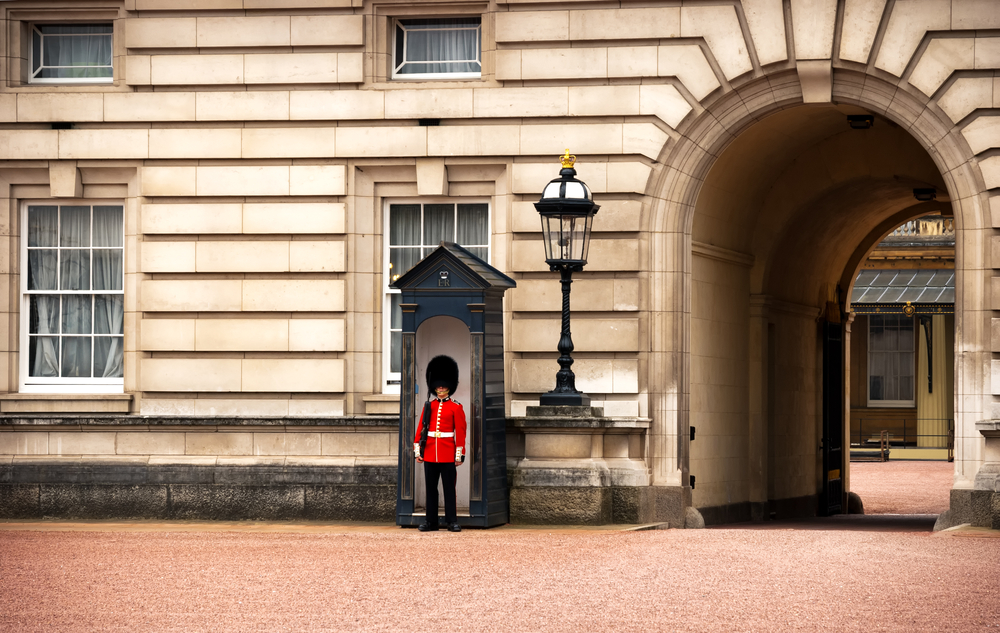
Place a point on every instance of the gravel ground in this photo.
(903, 487)
(678, 580)
(866, 573)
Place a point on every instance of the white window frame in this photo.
(60, 385)
(391, 380)
(33, 29)
(890, 404)
(398, 25)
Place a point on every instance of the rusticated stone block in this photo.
(633, 505)
(234, 503)
(960, 506)
(102, 501)
(670, 502)
(350, 503)
(559, 505)
(19, 501)
(986, 509)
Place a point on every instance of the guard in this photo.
(440, 442)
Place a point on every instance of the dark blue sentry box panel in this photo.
(453, 282)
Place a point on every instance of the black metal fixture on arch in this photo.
(567, 209)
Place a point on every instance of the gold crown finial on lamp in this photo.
(567, 160)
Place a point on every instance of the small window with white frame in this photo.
(891, 343)
(414, 229)
(437, 48)
(71, 53)
(73, 298)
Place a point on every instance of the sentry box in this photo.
(452, 303)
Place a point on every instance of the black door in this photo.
(831, 496)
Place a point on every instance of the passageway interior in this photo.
(786, 215)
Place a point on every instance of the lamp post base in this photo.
(564, 399)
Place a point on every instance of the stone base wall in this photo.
(579, 505)
(32, 490)
(985, 506)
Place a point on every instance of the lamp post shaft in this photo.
(565, 393)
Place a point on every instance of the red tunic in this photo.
(448, 419)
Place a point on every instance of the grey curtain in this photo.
(77, 332)
(438, 46)
(69, 51)
(890, 357)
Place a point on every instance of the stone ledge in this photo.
(153, 421)
(989, 428)
(12, 403)
(381, 404)
(549, 411)
(551, 423)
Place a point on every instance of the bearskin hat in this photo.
(442, 371)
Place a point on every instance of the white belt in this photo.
(440, 434)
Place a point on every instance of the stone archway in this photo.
(678, 242)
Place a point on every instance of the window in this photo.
(437, 48)
(71, 53)
(414, 231)
(891, 340)
(73, 298)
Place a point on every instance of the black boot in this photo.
(428, 527)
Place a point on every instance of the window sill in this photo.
(384, 404)
(65, 403)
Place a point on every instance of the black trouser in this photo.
(448, 474)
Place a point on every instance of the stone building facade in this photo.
(220, 342)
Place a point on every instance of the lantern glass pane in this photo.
(580, 238)
(551, 190)
(575, 190)
(550, 232)
(567, 238)
(588, 222)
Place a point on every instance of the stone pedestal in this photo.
(572, 465)
(986, 489)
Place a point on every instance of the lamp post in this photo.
(567, 209)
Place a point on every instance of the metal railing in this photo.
(924, 227)
(901, 433)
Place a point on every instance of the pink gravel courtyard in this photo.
(852, 574)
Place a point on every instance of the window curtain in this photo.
(890, 358)
(404, 231)
(82, 265)
(414, 231)
(439, 46)
(74, 274)
(109, 309)
(439, 225)
(74, 50)
(43, 319)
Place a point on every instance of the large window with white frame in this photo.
(437, 48)
(73, 297)
(413, 230)
(71, 53)
(891, 344)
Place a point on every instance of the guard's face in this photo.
(442, 392)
